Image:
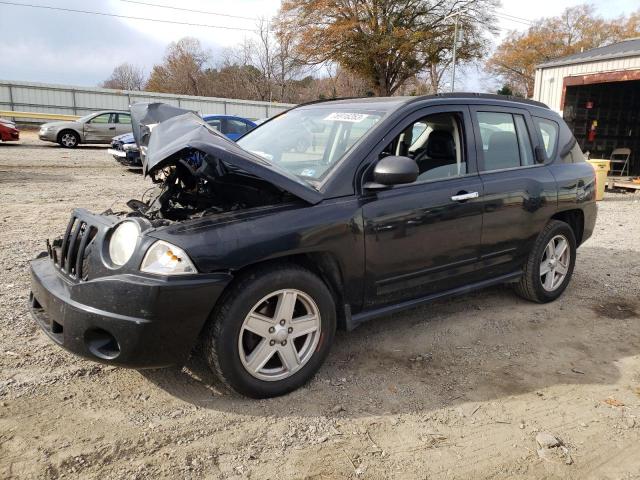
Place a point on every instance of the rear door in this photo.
(101, 128)
(519, 193)
(424, 237)
(123, 124)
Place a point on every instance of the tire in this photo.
(233, 350)
(68, 139)
(540, 286)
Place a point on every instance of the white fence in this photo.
(70, 100)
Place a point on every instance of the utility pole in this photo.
(456, 34)
(455, 48)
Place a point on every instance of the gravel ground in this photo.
(459, 389)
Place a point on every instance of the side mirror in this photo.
(393, 170)
(540, 155)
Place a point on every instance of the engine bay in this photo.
(197, 184)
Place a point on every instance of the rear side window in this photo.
(124, 118)
(505, 140)
(549, 132)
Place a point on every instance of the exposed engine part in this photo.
(198, 185)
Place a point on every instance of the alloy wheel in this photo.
(68, 140)
(554, 265)
(279, 335)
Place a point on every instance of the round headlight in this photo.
(123, 242)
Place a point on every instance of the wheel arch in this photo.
(68, 129)
(323, 264)
(575, 219)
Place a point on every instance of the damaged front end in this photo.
(199, 172)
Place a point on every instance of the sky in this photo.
(72, 48)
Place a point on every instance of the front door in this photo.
(101, 128)
(424, 237)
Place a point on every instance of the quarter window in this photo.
(435, 143)
(549, 131)
(505, 140)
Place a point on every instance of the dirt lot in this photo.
(458, 389)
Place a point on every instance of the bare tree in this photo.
(126, 77)
(183, 69)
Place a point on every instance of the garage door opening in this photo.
(605, 116)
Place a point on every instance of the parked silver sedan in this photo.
(97, 127)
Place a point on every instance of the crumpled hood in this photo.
(167, 141)
(145, 116)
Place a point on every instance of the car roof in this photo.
(394, 103)
(220, 115)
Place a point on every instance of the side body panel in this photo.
(233, 241)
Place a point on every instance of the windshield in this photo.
(309, 141)
(86, 117)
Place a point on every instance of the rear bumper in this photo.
(127, 320)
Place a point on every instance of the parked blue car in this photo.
(124, 148)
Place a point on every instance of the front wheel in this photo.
(271, 331)
(69, 139)
(549, 266)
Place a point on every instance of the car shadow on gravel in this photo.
(485, 346)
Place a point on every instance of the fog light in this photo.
(102, 344)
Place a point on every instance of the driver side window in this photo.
(434, 142)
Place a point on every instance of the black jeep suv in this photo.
(258, 253)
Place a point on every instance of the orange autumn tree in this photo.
(385, 42)
(575, 30)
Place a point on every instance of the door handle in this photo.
(384, 228)
(112, 128)
(462, 196)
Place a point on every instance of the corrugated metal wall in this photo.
(63, 99)
(548, 81)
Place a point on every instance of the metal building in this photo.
(598, 94)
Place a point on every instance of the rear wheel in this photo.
(271, 332)
(549, 267)
(68, 139)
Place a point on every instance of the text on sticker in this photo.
(346, 117)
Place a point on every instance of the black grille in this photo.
(69, 252)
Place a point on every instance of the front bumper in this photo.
(137, 321)
(48, 136)
(116, 153)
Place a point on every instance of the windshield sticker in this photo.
(346, 117)
(308, 172)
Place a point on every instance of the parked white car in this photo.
(97, 127)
